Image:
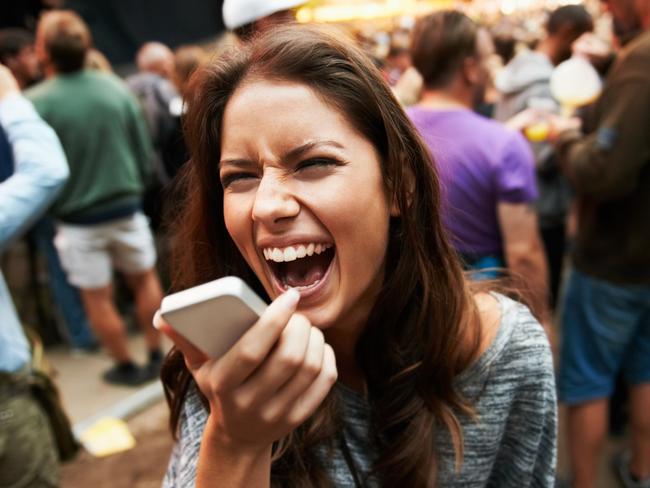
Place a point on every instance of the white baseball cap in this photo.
(241, 12)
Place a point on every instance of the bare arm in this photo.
(524, 255)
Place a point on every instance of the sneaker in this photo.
(126, 374)
(621, 463)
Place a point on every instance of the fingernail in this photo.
(289, 298)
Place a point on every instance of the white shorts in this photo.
(89, 253)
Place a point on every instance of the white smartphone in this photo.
(213, 316)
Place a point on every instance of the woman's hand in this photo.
(269, 382)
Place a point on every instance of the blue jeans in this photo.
(66, 297)
(605, 330)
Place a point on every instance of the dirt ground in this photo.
(141, 467)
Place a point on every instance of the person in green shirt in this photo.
(100, 224)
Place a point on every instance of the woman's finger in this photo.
(285, 359)
(303, 379)
(307, 403)
(254, 346)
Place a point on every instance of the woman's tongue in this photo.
(302, 272)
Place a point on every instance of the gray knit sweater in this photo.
(511, 444)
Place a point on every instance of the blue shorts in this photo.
(605, 330)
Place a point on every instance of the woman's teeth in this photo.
(291, 253)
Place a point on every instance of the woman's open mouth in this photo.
(302, 266)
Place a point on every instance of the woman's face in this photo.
(304, 200)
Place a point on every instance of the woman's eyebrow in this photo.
(291, 155)
(237, 162)
(300, 151)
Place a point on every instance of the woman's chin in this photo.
(319, 317)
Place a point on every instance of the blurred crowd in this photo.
(546, 184)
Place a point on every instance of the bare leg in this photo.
(587, 428)
(148, 294)
(106, 321)
(640, 423)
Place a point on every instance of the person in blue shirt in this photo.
(28, 455)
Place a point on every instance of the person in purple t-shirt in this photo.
(487, 171)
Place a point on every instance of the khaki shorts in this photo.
(89, 253)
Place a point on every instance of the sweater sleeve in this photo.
(181, 470)
(545, 460)
(527, 452)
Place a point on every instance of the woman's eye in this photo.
(316, 163)
(232, 178)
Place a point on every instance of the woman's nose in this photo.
(274, 201)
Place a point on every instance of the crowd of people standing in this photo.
(398, 355)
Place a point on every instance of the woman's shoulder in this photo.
(489, 311)
(512, 389)
(511, 337)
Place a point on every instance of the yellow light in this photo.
(304, 15)
(338, 12)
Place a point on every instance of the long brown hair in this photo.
(423, 329)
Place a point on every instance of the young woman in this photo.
(308, 181)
